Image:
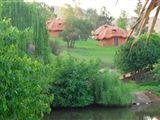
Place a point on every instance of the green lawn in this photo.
(89, 50)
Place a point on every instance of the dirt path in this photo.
(154, 98)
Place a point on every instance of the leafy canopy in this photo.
(141, 56)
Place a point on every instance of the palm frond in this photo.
(143, 17)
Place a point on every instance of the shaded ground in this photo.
(154, 98)
(145, 98)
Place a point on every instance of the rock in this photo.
(140, 98)
(137, 104)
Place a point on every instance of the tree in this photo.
(32, 16)
(92, 16)
(140, 57)
(104, 17)
(98, 20)
(138, 8)
(148, 7)
(76, 26)
(76, 29)
(122, 20)
(68, 11)
(24, 86)
(137, 11)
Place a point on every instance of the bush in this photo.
(111, 91)
(156, 72)
(24, 86)
(10, 35)
(73, 84)
(55, 46)
(80, 83)
(141, 56)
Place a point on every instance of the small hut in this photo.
(55, 26)
(108, 35)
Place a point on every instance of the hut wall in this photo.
(121, 41)
(110, 42)
(54, 33)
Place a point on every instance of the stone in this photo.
(140, 98)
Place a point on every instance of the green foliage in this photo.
(24, 83)
(104, 17)
(98, 19)
(92, 16)
(153, 86)
(111, 91)
(76, 29)
(79, 24)
(12, 36)
(72, 12)
(122, 20)
(32, 16)
(156, 72)
(80, 83)
(73, 84)
(55, 45)
(141, 56)
(24, 86)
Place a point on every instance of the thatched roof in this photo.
(55, 24)
(108, 31)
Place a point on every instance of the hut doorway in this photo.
(116, 41)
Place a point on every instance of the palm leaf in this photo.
(142, 19)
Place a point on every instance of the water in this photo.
(149, 112)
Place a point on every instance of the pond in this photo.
(147, 112)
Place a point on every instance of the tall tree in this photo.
(29, 16)
(138, 8)
(76, 25)
(99, 19)
(92, 16)
(104, 17)
(68, 11)
(122, 20)
(137, 11)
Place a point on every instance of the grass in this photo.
(153, 86)
(89, 50)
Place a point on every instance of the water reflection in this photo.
(101, 113)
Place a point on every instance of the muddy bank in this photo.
(145, 100)
(99, 112)
(147, 97)
(106, 113)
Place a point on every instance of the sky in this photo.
(112, 7)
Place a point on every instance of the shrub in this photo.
(80, 83)
(24, 86)
(55, 47)
(156, 72)
(10, 35)
(141, 56)
(111, 91)
(73, 84)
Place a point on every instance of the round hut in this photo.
(108, 35)
(55, 26)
